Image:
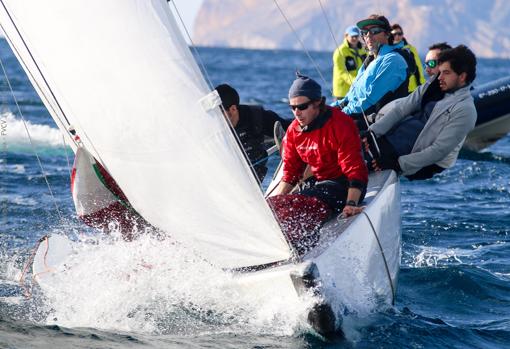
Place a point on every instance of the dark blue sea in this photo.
(454, 282)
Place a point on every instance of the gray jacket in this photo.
(444, 133)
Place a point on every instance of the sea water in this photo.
(454, 283)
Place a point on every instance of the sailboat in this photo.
(493, 108)
(127, 94)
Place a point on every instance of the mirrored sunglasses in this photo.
(431, 63)
(302, 106)
(372, 31)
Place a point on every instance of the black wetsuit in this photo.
(254, 123)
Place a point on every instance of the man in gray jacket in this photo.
(422, 134)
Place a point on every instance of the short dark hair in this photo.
(228, 95)
(396, 26)
(461, 59)
(441, 46)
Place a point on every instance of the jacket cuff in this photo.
(355, 183)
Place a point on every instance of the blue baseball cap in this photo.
(352, 31)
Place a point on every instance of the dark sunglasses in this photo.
(302, 106)
(432, 63)
(372, 31)
(397, 33)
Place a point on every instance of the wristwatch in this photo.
(351, 203)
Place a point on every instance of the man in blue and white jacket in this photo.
(384, 75)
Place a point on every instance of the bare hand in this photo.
(351, 211)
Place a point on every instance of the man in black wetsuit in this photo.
(251, 123)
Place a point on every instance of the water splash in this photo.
(43, 137)
(158, 286)
(431, 256)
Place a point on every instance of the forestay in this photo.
(123, 76)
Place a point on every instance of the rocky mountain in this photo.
(483, 25)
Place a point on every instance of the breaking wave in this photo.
(14, 136)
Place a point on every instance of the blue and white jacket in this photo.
(384, 74)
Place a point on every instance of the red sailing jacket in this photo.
(331, 146)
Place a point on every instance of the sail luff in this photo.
(20, 50)
(130, 84)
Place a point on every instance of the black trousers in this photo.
(333, 192)
(390, 156)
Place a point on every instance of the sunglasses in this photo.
(397, 33)
(302, 106)
(432, 63)
(372, 31)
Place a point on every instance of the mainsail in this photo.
(120, 72)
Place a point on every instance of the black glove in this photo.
(373, 149)
(388, 163)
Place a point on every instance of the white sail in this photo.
(123, 76)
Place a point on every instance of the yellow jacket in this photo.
(346, 63)
(417, 78)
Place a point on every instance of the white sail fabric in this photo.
(125, 79)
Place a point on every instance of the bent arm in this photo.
(397, 110)
(449, 138)
(388, 76)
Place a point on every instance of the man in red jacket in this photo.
(327, 140)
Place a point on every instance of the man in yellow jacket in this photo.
(347, 59)
(417, 78)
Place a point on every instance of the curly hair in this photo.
(462, 60)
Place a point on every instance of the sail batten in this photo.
(128, 83)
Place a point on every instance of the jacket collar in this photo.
(385, 49)
(449, 100)
(461, 92)
(318, 122)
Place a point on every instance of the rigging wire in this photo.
(301, 43)
(349, 75)
(329, 24)
(388, 274)
(58, 111)
(31, 142)
(204, 70)
(332, 34)
(197, 54)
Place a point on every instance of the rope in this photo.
(301, 43)
(388, 274)
(31, 142)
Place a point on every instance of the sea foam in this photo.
(15, 137)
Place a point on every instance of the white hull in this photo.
(351, 262)
(487, 133)
(353, 265)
